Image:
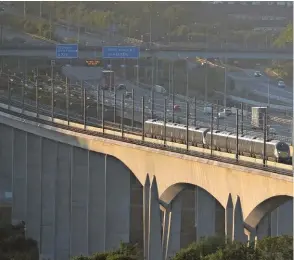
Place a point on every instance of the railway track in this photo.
(137, 132)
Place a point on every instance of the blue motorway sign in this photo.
(67, 51)
(121, 52)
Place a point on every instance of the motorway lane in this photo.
(228, 123)
(168, 55)
(259, 86)
(262, 86)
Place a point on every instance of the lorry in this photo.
(257, 117)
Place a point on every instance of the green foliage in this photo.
(120, 257)
(174, 21)
(81, 258)
(198, 250)
(272, 248)
(235, 251)
(285, 37)
(14, 245)
(99, 256)
(39, 27)
(124, 252)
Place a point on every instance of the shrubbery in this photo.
(125, 252)
(38, 27)
(212, 248)
(14, 245)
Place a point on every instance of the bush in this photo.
(14, 245)
(198, 250)
(234, 251)
(276, 247)
(99, 256)
(120, 257)
(81, 258)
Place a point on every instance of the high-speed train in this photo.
(222, 140)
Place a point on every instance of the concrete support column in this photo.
(19, 176)
(63, 202)
(251, 234)
(146, 194)
(6, 151)
(229, 218)
(238, 224)
(234, 220)
(205, 213)
(96, 204)
(155, 250)
(48, 198)
(165, 229)
(79, 202)
(34, 170)
(118, 189)
(173, 229)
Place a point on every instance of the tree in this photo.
(14, 245)
(124, 252)
(272, 248)
(234, 251)
(198, 250)
(285, 37)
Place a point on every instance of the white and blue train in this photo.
(222, 140)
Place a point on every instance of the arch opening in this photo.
(263, 208)
(196, 213)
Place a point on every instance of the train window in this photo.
(282, 147)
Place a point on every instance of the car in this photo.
(121, 87)
(177, 108)
(128, 95)
(281, 84)
(221, 115)
(257, 74)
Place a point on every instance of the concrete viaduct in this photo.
(80, 194)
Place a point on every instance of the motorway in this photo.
(261, 85)
(169, 55)
(87, 75)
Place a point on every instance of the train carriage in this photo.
(215, 139)
(232, 143)
(245, 145)
(222, 140)
(257, 147)
(196, 136)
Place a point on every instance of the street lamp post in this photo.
(225, 94)
(40, 9)
(22, 94)
(37, 95)
(85, 108)
(187, 80)
(67, 100)
(143, 119)
(8, 90)
(122, 114)
(268, 92)
(114, 106)
(52, 94)
(133, 107)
